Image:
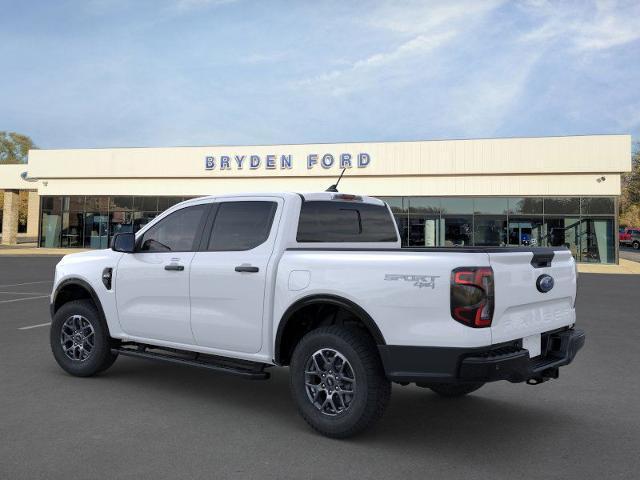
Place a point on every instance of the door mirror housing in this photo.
(124, 242)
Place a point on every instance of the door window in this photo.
(175, 233)
(241, 225)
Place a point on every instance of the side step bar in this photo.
(244, 369)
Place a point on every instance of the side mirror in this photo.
(124, 242)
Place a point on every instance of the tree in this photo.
(630, 198)
(14, 147)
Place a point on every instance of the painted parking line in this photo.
(23, 299)
(35, 326)
(26, 283)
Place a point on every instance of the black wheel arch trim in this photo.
(336, 300)
(85, 285)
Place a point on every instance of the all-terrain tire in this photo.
(85, 347)
(455, 390)
(372, 390)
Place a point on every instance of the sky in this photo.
(115, 73)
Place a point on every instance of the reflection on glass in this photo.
(597, 206)
(561, 205)
(120, 203)
(490, 231)
(430, 205)
(458, 231)
(457, 206)
(597, 241)
(525, 206)
(491, 206)
(426, 231)
(525, 232)
(96, 230)
(51, 222)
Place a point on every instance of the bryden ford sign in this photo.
(285, 162)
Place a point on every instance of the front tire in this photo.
(80, 340)
(338, 382)
(636, 245)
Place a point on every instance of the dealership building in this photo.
(544, 191)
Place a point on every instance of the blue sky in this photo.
(204, 72)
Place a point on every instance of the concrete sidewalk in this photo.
(626, 267)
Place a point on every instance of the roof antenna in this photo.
(334, 187)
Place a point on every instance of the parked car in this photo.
(630, 237)
(319, 283)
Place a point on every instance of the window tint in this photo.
(175, 233)
(241, 225)
(334, 221)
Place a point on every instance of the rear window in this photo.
(335, 221)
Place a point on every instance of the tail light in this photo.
(472, 297)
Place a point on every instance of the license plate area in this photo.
(533, 343)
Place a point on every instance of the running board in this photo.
(244, 369)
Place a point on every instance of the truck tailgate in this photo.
(521, 310)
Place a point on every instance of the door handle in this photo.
(175, 268)
(247, 268)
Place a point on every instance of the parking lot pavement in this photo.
(629, 253)
(149, 420)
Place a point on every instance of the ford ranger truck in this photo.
(319, 283)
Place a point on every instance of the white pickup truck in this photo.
(318, 282)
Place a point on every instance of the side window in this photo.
(241, 225)
(175, 233)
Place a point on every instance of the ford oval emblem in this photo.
(544, 283)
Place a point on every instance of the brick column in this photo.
(10, 217)
(33, 214)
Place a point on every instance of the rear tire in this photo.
(636, 245)
(452, 390)
(327, 365)
(80, 340)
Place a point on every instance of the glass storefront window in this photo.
(457, 206)
(490, 231)
(425, 231)
(562, 205)
(51, 222)
(597, 206)
(585, 225)
(96, 204)
(525, 232)
(525, 206)
(458, 231)
(420, 205)
(562, 231)
(167, 202)
(145, 204)
(72, 222)
(597, 241)
(140, 219)
(491, 206)
(120, 203)
(96, 230)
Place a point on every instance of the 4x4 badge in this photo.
(419, 281)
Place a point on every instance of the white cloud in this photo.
(607, 24)
(419, 30)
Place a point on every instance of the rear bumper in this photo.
(507, 361)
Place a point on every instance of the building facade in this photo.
(487, 192)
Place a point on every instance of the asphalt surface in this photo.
(629, 253)
(150, 420)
